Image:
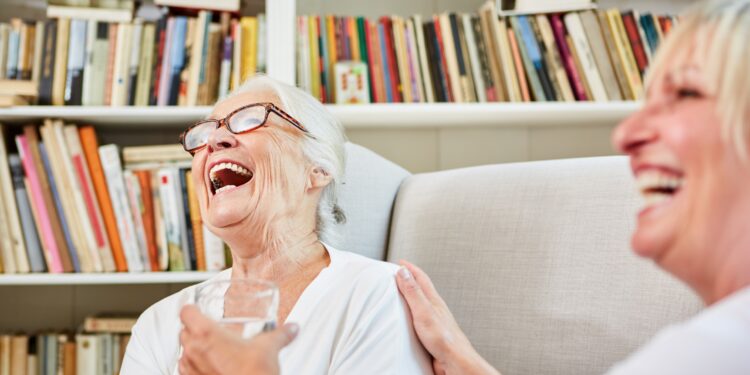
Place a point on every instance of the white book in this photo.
(172, 210)
(214, 249)
(105, 354)
(87, 354)
(135, 199)
(262, 43)
(423, 60)
(450, 58)
(159, 226)
(476, 69)
(163, 95)
(101, 242)
(303, 55)
(221, 5)
(499, 29)
(109, 155)
(145, 65)
(95, 70)
(583, 50)
(89, 13)
(122, 58)
(7, 253)
(225, 76)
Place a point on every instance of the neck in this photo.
(731, 277)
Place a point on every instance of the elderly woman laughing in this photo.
(265, 166)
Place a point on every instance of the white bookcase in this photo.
(420, 137)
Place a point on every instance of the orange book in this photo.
(519, 66)
(197, 223)
(149, 223)
(91, 150)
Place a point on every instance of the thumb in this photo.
(412, 292)
(280, 337)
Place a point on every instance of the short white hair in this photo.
(719, 31)
(325, 149)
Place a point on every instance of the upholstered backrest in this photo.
(534, 261)
(367, 195)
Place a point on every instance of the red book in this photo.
(666, 24)
(322, 54)
(635, 41)
(558, 28)
(390, 54)
(442, 62)
(149, 223)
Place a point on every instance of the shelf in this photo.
(105, 278)
(433, 115)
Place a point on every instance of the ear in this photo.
(318, 179)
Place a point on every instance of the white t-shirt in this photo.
(352, 321)
(716, 341)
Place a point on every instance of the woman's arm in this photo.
(209, 349)
(436, 327)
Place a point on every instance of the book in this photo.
(154, 153)
(135, 200)
(4, 36)
(89, 13)
(196, 223)
(625, 53)
(38, 45)
(135, 46)
(59, 74)
(110, 159)
(594, 33)
(558, 29)
(87, 347)
(516, 7)
(188, 238)
(171, 209)
(14, 242)
(97, 44)
(218, 5)
(30, 236)
(451, 60)
(249, 47)
(110, 70)
(585, 56)
(90, 147)
(18, 352)
(527, 59)
(634, 37)
(147, 217)
(48, 62)
(109, 324)
(556, 66)
(18, 87)
(120, 70)
(76, 61)
(474, 59)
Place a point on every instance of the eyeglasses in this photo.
(241, 120)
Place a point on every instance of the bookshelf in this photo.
(392, 116)
(420, 137)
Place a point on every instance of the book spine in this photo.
(114, 29)
(423, 53)
(529, 56)
(61, 59)
(585, 56)
(558, 30)
(48, 239)
(149, 227)
(166, 65)
(523, 83)
(188, 239)
(90, 147)
(30, 236)
(384, 63)
(87, 93)
(440, 51)
(145, 66)
(159, 44)
(635, 44)
(110, 159)
(476, 68)
(449, 51)
(137, 210)
(76, 60)
(136, 43)
(226, 66)
(196, 224)
(176, 59)
(168, 178)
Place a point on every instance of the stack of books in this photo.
(98, 349)
(70, 205)
(94, 56)
(590, 55)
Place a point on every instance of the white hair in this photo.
(718, 30)
(325, 149)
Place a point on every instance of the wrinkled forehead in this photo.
(232, 103)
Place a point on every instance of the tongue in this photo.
(229, 177)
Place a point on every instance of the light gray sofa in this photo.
(532, 258)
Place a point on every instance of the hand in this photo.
(436, 328)
(210, 349)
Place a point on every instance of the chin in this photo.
(647, 243)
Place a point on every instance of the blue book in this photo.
(30, 235)
(324, 58)
(177, 58)
(652, 36)
(533, 61)
(58, 206)
(76, 61)
(384, 64)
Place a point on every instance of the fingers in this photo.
(194, 321)
(280, 337)
(423, 281)
(419, 305)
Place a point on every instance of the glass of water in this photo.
(246, 306)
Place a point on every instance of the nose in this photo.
(220, 139)
(636, 131)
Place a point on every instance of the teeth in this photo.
(231, 166)
(223, 188)
(656, 180)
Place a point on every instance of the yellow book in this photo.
(249, 27)
(402, 59)
(625, 53)
(196, 222)
(314, 57)
(351, 24)
(61, 62)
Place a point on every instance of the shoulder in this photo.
(714, 341)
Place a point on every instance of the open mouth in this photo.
(228, 175)
(658, 187)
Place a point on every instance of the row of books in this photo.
(70, 205)
(94, 351)
(597, 55)
(188, 58)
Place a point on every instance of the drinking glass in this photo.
(246, 306)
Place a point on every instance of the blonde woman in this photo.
(692, 134)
